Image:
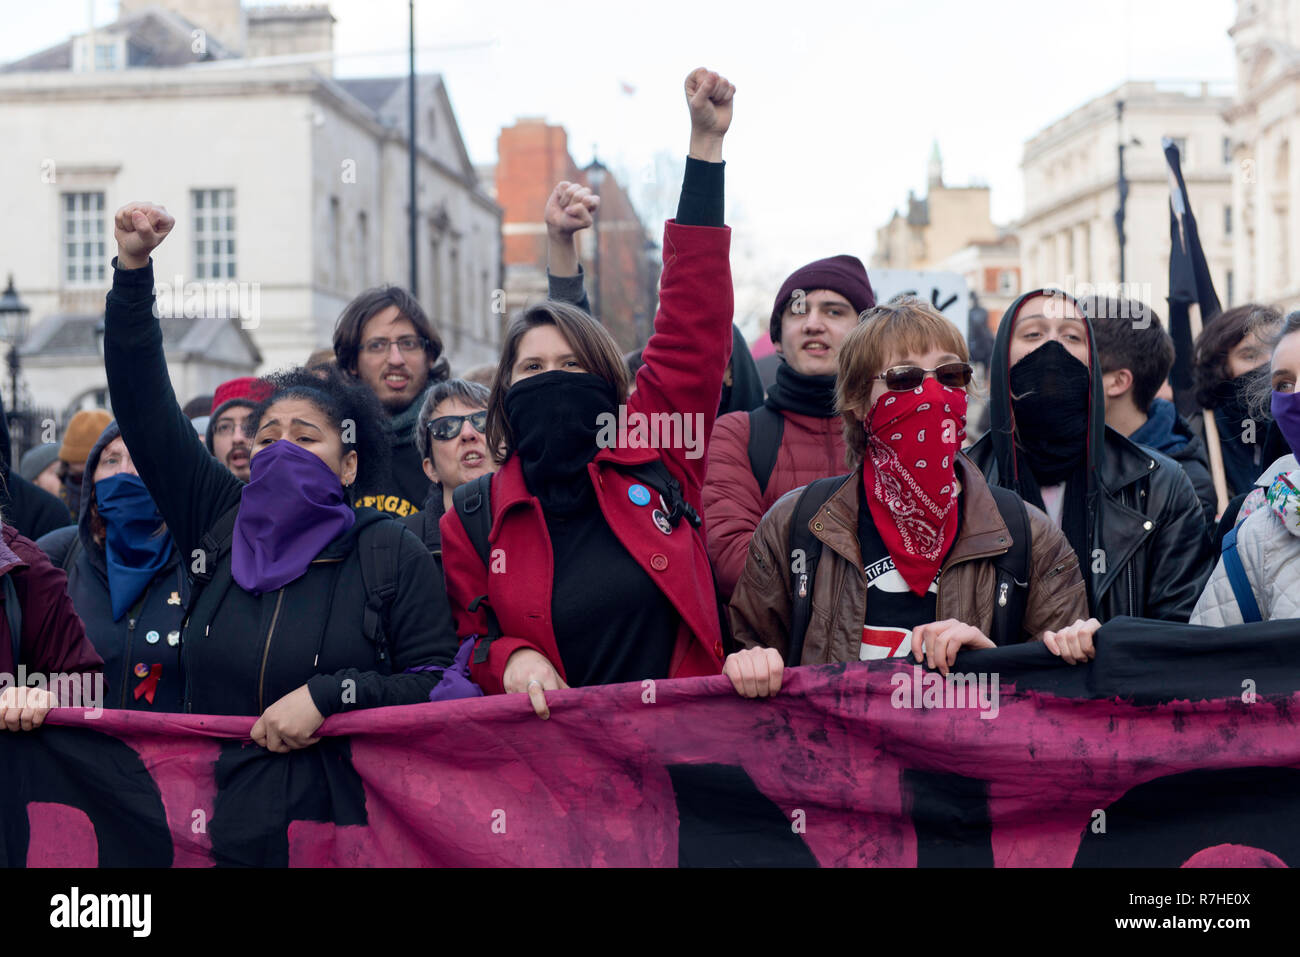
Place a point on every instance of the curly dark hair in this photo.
(340, 398)
(1219, 337)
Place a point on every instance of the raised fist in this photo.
(569, 209)
(139, 228)
(709, 95)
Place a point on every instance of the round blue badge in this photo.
(639, 494)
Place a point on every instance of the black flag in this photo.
(1189, 280)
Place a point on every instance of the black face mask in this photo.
(1232, 396)
(1049, 397)
(555, 417)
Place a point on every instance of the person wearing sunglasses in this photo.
(1130, 513)
(450, 434)
(911, 538)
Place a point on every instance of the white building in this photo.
(288, 186)
(1265, 121)
(1067, 233)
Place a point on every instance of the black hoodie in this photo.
(1148, 547)
(146, 636)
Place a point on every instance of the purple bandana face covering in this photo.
(292, 507)
(1285, 407)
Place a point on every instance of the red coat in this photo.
(811, 448)
(684, 364)
(54, 639)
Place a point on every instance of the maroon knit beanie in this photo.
(843, 274)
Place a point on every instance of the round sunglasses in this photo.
(447, 427)
(955, 375)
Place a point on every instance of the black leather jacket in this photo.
(1150, 547)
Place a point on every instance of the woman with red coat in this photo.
(593, 577)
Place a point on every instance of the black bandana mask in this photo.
(555, 417)
(1049, 398)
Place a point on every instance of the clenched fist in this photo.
(710, 97)
(139, 228)
(569, 209)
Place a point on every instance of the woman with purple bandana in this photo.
(303, 606)
(1268, 526)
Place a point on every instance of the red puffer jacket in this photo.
(811, 448)
(684, 363)
(54, 639)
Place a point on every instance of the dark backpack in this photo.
(766, 428)
(473, 504)
(1012, 566)
(377, 547)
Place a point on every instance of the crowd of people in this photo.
(368, 530)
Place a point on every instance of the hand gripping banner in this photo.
(1176, 747)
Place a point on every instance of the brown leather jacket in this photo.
(760, 605)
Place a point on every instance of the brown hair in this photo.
(1219, 337)
(593, 345)
(904, 324)
(347, 331)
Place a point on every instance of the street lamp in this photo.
(14, 318)
(1122, 184)
(596, 173)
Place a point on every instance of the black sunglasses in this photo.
(955, 375)
(448, 426)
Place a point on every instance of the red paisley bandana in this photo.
(909, 473)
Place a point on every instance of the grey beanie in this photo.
(37, 460)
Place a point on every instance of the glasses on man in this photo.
(955, 375)
(378, 347)
(447, 427)
(226, 428)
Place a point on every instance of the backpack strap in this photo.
(805, 552)
(13, 616)
(766, 427)
(1013, 569)
(656, 475)
(1236, 572)
(215, 543)
(473, 504)
(378, 546)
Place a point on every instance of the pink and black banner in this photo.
(1177, 747)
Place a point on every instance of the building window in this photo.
(85, 258)
(1007, 283)
(1228, 299)
(1227, 219)
(363, 250)
(214, 233)
(336, 245)
(1227, 151)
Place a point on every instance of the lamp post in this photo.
(14, 317)
(1120, 213)
(596, 173)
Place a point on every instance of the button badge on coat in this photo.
(152, 637)
(173, 638)
(141, 670)
(639, 494)
(174, 598)
(661, 522)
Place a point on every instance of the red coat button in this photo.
(717, 648)
(658, 561)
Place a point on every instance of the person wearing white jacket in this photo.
(1268, 529)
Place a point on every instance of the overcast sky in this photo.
(837, 104)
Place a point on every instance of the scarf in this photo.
(1242, 461)
(802, 394)
(555, 418)
(136, 547)
(909, 474)
(292, 507)
(400, 428)
(1049, 400)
